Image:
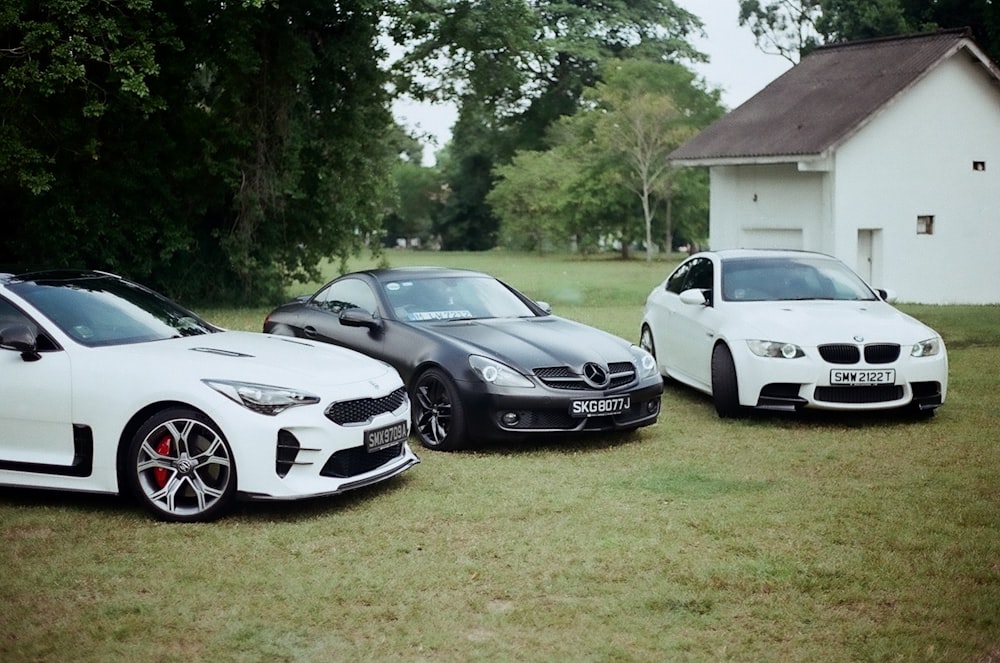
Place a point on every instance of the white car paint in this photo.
(112, 389)
(686, 327)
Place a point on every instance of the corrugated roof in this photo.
(823, 99)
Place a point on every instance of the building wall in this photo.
(920, 157)
(766, 206)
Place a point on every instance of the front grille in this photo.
(545, 420)
(845, 353)
(840, 353)
(356, 460)
(872, 394)
(363, 410)
(881, 353)
(563, 377)
(561, 420)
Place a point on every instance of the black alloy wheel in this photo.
(438, 416)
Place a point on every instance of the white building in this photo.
(884, 153)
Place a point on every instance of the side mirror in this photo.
(545, 306)
(694, 297)
(358, 317)
(886, 295)
(20, 338)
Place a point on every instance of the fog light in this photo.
(510, 418)
(652, 406)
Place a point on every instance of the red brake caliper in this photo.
(160, 473)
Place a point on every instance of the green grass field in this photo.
(811, 537)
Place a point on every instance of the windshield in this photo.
(791, 278)
(104, 310)
(454, 298)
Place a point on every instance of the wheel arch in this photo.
(132, 427)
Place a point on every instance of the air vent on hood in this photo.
(224, 353)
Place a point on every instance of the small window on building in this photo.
(925, 225)
(978, 165)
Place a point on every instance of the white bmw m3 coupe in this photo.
(785, 330)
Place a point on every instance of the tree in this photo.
(514, 68)
(606, 168)
(533, 197)
(420, 195)
(792, 28)
(211, 150)
(643, 124)
(783, 27)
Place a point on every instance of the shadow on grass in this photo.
(555, 443)
(677, 393)
(84, 503)
(98, 505)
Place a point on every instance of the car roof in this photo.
(50, 275)
(740, 254)
(421, 272)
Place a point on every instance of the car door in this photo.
(320, 317)
(694, 326)
(662, 307)
(36, 427)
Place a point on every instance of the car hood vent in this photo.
(224, 353)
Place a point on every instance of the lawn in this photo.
(792, 538)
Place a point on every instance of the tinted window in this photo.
(700, 275)
(11, 316)
(454, 298)
(676, 281)
(791, 278)
(695, 273)
(105, 310)
(346, 294)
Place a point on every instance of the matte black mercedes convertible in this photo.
(481, 360)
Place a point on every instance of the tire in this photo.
(181, 467)
(725, 388)
(646, 340)
(438, 415)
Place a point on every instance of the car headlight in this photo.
(776, 349)
(494, 372)
(262, 398)
(927, 348)
(647, 363)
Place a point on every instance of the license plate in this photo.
(840, 376)
(600, 407)
(386, 436)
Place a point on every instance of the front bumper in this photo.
(304, 454)
(505, 413)
(804, 382)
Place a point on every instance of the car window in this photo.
(346, 294)
(10, 316)
(700, 276)
(454, 298)
(798, 278)
(675, 283)
(104, 310)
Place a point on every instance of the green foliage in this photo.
(211, 150)
(515, 68)
(792, 28)
(420, 192)
(534, 197)
(606, 178)
(783, 27)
